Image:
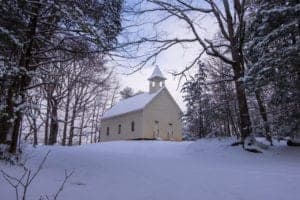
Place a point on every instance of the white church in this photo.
(150, 115)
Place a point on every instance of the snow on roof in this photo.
(156, 74)
(131, 104)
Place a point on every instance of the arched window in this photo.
(107, 131)
(119, 129)
(132, 126)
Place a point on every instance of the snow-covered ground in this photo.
(142, 170)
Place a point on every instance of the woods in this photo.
(56, 81)
(271, 53)
(49, 50)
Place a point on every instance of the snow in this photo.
(156, 74)
(147, 170)
(135, 103)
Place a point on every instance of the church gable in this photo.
(164, 101)
(161, 118)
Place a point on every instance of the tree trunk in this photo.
(93, 122)
(53, 123)
(263, 113)
(47, 123)
(66, 119)
(245, 122)
(71, 132)
(97, 136)
(236, 38)
(81, 125)
(15, 133)
(5, 117)
(35, 130)
(4, 130)
(35, 138)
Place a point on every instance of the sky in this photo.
(139, 81)
(174, 59)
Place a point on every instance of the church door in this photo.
(156, 130)
(170, 131)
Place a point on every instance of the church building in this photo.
(150, 115)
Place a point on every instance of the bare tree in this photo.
(36, 34)
(230, 19)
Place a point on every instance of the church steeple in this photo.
(156, 80)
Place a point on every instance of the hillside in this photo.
(147, 170)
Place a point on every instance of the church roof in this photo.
(156, 74)
(135, 103)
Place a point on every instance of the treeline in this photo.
(67, 109)
(270, 49)
(52, 72)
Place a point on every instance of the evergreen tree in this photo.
(127, 92)
(197, 101)
(273, 59)
(211, 101)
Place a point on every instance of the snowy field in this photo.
(150, 170)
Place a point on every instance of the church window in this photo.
(119, 129)
(132, 126)
(170, 131)
(107, 131)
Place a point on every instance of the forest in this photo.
(58, 74)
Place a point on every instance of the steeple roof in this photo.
(156, 74)
(131, 104)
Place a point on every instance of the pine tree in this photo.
(273, 58)
(197, 102)
(127, 92)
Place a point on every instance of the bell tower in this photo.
(156, 80)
